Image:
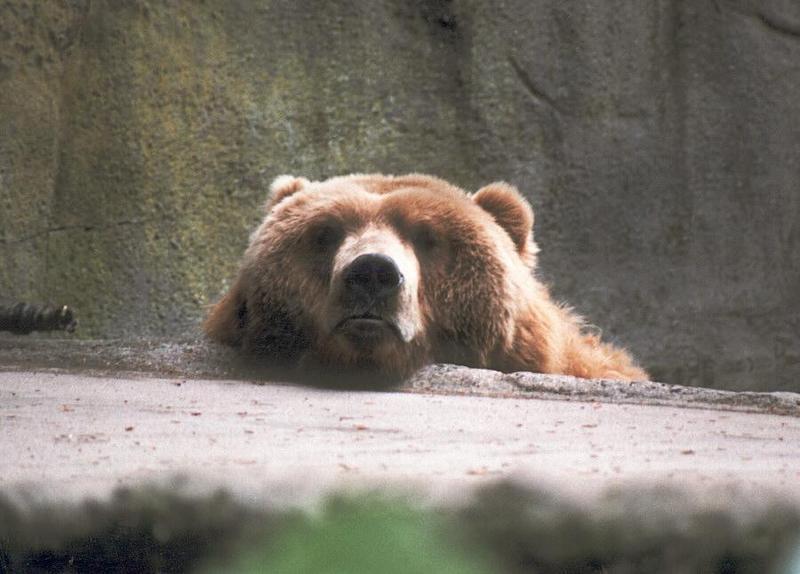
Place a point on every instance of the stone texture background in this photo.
(658, 142)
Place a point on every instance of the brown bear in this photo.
(384, 274)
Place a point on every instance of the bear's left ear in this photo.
(283, 186)
(510, 210)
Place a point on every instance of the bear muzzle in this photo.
(372, 299)
(370, 285)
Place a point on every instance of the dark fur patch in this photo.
(277, 335)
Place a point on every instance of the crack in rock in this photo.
(537, 93)
(771, 22)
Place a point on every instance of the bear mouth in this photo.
(367, 327)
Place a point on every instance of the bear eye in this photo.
(424, 238)
(325, 236)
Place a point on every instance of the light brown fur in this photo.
(469, 294)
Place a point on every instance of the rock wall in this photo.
(659, 144)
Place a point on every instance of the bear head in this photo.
(380, 274)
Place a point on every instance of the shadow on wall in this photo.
(657, 147)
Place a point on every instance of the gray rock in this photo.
(659, 145)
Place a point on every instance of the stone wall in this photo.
(658, 142)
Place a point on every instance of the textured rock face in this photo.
(658, 144)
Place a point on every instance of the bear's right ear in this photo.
(283, 186)
(510, 210)
(227, 319)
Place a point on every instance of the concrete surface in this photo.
(67, 436)
(658, 146)
(200, 359)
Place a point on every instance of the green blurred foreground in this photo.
(505, 528)
(370, 535)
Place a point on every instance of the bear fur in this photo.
(384, 274)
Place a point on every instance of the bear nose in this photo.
(374, 275)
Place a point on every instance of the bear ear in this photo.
(283, 186)
(227, 319)
(510, 210)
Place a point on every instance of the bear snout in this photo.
(373, 290)
(373, 277)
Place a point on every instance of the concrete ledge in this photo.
(198, 359)
(73, 435)
(454, 379)
(626, 475)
